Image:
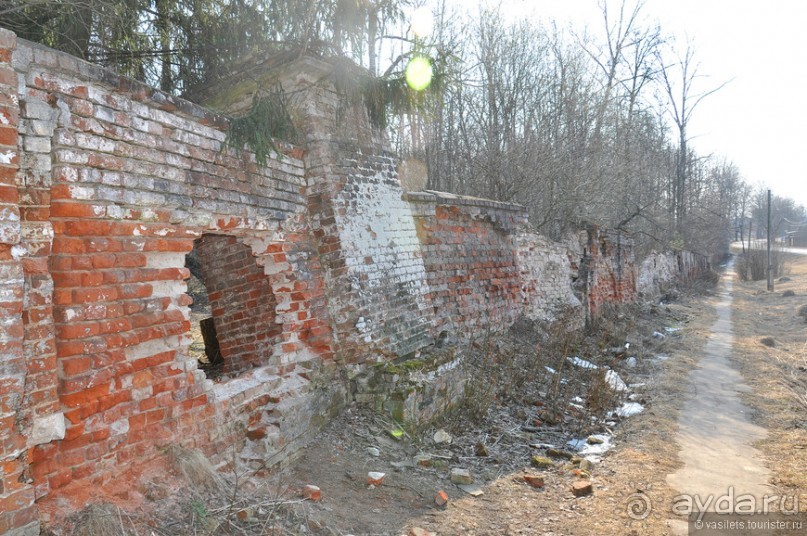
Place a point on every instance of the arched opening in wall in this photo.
(233, 316)
(205, 345)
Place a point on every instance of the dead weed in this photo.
(778, 376)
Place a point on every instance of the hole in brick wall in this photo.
(234, 310)
(205, 345)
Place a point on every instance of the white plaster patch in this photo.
(7, 157)
(418, 376)
(546, 275)
(165, 259)
(18, 251)
(47, 429)
(655, 272)
(119, 427)
(150, 348)
(229, 389)
(139, 245)
(167, 289)
(149, 214)
(142, 394)
(64, 117)
(384, 255)
(81, 193)
(69, 174)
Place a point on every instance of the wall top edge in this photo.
(445, 198)
(63, 62)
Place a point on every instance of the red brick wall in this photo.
(242, 303)
(608, 270)
(548, 272)
(471, 259)
(322, 257)
(117, 182)
(377, 293)
(17, 508)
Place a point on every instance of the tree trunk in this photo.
(212, 350)
(372, 36)
(164, 29)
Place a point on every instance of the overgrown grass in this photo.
(777, 374)
(100, 519)
(753, 264)
(532, 364)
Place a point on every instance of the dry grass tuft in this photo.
(600, 397)
(753, 265)
(196, 469)
(101, 519)
(778, 377)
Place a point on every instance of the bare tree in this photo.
(679, 80)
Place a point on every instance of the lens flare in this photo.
(419, 73)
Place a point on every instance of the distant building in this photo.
(797, 239)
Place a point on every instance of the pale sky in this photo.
(759, 120)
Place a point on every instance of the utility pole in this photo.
(770, 266)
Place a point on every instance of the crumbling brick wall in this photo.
(106, 184)
(18, 514)
(692, 265)
(607, 269)
(375, 276)
(242, 302)
(548, 273)
(658, 271)
(471, 260)
(115, 183)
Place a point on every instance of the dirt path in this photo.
(716, 435)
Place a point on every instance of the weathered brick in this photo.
(307, 264)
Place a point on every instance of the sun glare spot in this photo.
(422, 22)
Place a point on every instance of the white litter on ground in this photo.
(597, 449)
(582, 363)
(576, 444)
(582, 447)
(629, 409)
(616, 383)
